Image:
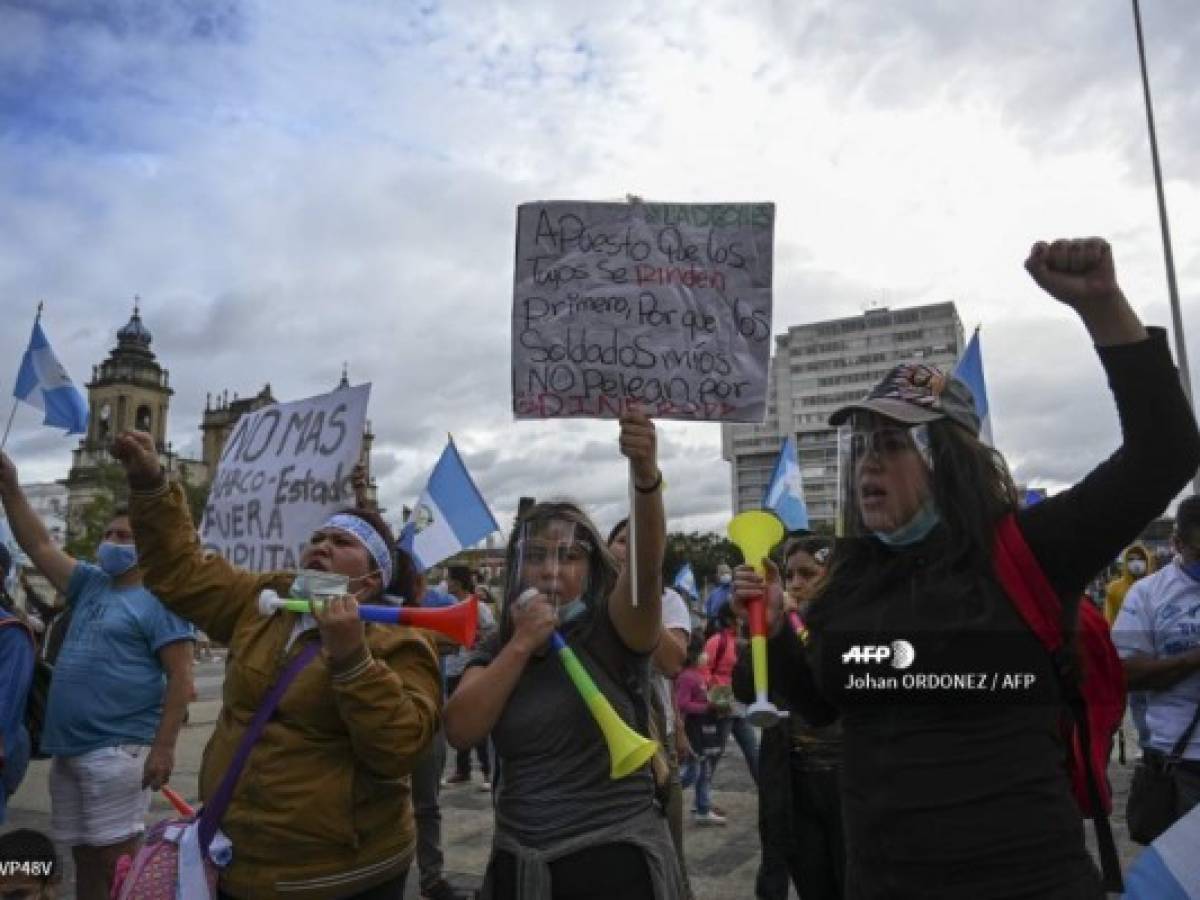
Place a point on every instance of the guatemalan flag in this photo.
(685, 580)
(785, 491)
(970, 371)
(450, 515)
(1169, 869)
(43, 382)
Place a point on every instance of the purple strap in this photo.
(214, 809)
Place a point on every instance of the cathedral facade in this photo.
(131, 390)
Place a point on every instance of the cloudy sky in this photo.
(291, 185)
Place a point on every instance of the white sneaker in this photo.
(485, 787)
(708, 818)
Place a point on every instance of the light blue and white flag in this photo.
(1033, 496)
(1169, 869)
(450, 515)
(685, 580)
(43, 382)
(970, 371)
(785, 491)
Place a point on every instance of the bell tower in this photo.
(128, 391)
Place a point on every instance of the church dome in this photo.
(134, 332)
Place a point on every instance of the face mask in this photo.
(1137, 567)
(725, 579)
(915, 530)
(1191, 570)
(569, 612)
(312, 585)
(116, 559)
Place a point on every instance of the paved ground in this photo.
(721, 861)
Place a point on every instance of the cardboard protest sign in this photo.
(284, 469)
(663, 306)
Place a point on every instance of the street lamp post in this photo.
(1169, 256)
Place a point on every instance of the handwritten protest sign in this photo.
(282, 471)
(662, 306)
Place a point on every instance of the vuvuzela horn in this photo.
(457, 622)
(756, 532)
(181, 806)
(627, 749)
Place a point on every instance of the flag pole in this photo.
(12, 415)
(631, 540)
(1169, 257)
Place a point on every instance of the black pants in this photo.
(389, 890)
(608, 872)
(816, 855)
(462, 760)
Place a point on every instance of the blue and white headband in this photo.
(369, 538)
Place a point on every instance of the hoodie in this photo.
(1114, 594)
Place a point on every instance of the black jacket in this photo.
(962, 792)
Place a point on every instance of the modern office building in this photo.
(817, 368)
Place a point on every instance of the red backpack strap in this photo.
(1022, 578)
(1031, 593)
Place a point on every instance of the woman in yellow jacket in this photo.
(1136, 563)
(323, 808)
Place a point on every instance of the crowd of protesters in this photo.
(335, 791)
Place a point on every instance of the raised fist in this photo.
(1078, 272)
(136, 452)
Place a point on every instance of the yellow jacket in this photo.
(1114, 594)
(323, 806)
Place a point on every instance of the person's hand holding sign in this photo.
(639, 444)
(637, 612)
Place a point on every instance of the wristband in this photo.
(654, 487)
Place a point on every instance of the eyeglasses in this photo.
(536, 554)
(881, 442)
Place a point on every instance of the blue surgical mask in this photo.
(116, 559)
(569, 612)
(913, 531)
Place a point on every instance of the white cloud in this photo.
(293, 186)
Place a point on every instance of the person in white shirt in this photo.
(1157, 635)
(668, 660)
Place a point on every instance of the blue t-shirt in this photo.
(1160, 618)
(16, 673)
(108, 683)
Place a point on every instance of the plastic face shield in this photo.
(862, 438)
(552, 558)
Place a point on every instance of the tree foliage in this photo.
(704, 550)
(88, 529)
